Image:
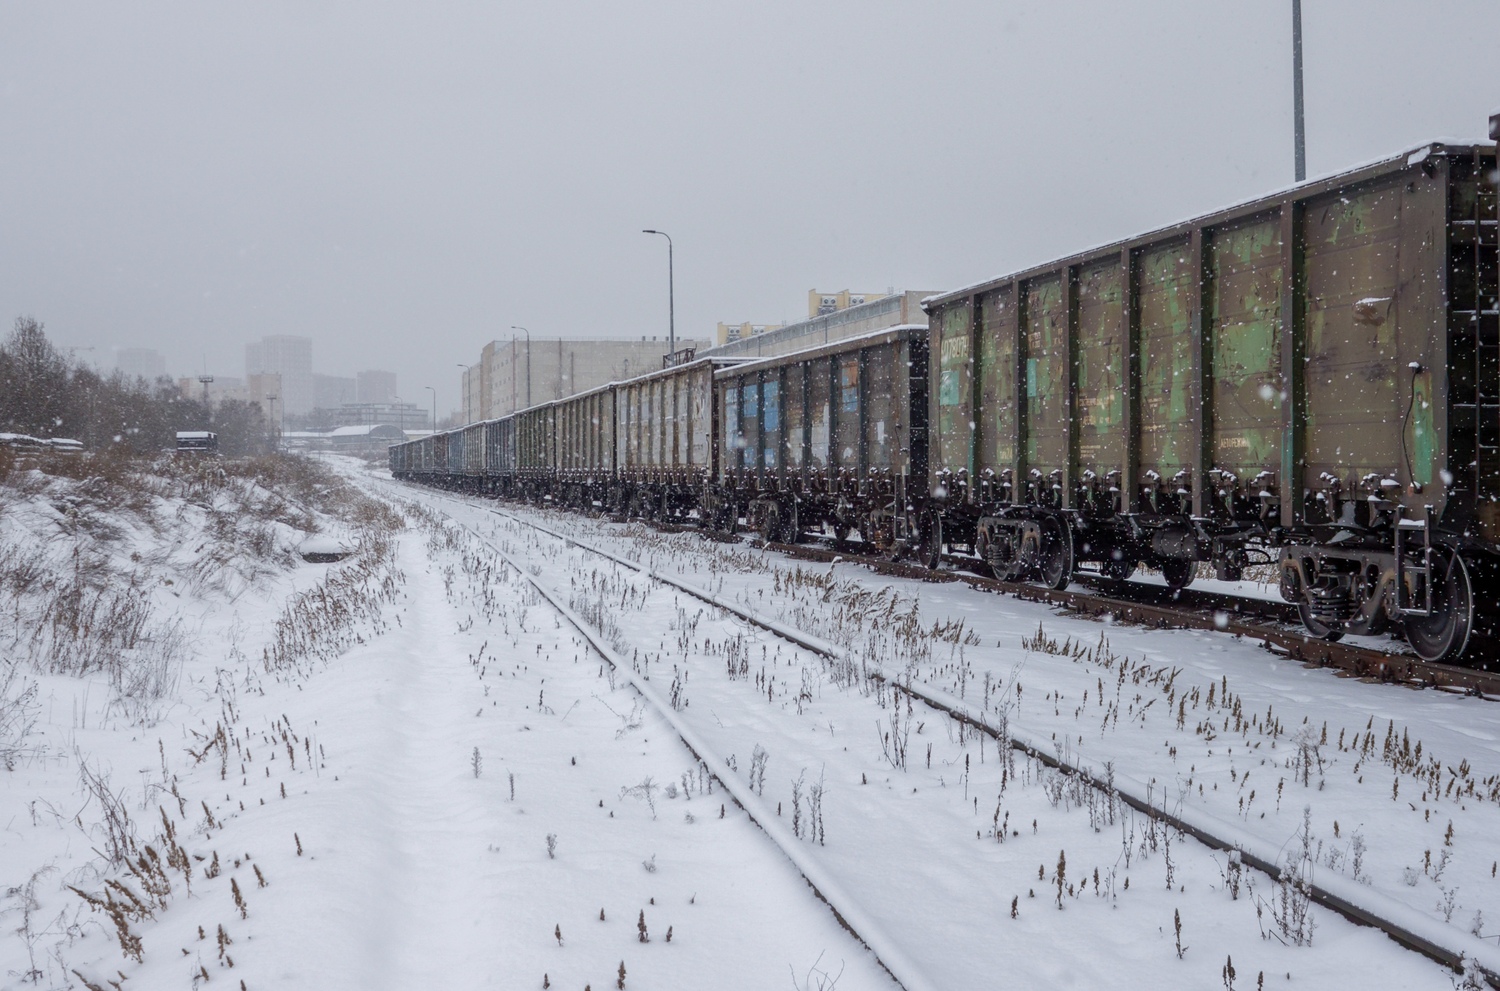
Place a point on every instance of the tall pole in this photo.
(528, 362)
(467, 389)
(1299, 124)
(434, 406)
(671, 297)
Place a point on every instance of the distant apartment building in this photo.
(375, 387)
(143, 363)
(821, 304)
(290, 358)
(512, 375)
(264, 389)
(330, 391)
(218, 389)
(892, 309)
(728, 332)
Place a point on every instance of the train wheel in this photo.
(1179, 574)
(770, 522)
(791, 529)
(1316, 627)
(1118, 570)
(1056, 562)
(930, 541)
(1444, 635)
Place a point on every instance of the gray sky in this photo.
(403, 182)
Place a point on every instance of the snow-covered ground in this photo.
(441, 784)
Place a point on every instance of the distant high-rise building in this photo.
(143, 362)
(290, 358)
(331, 391)
(375, 387)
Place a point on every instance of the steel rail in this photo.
(846, 910)
(1197, 610)
(1436, 940)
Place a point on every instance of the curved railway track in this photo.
(1353, 901)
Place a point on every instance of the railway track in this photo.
(1351, 900)
(858, 922)
(1192, 609)
(1275, 624)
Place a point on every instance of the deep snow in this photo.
(453, 683)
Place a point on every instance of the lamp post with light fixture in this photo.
(528, 362)
(1299, 153)
(671, 297)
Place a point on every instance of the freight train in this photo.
(1309, 380)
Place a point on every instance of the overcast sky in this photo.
(403, 182)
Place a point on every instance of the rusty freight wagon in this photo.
(536, 452)
(828, 437)
(499, 456)
(665, 440)
(473, 456)
(1311, 378)
(586, 449)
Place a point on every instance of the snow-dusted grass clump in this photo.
(1381, 788)
(133, 592)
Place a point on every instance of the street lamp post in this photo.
(434, 406)
(671, 296)
(528, 361)
(1300, 131)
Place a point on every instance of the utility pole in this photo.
(671, 298)
(1299, 122)
(528, 362)
(468, 398)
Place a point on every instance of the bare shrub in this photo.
(18, 707)
(119, 840)
(328, 619)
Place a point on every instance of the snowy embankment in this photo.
(406, 768)
(1312, 803)
(399, 770)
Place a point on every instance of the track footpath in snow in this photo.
(931, 883)
(466, 799)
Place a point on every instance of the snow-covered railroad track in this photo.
(1400, 922)
(1272, 622)
(845, 907)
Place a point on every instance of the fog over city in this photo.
(404, 183)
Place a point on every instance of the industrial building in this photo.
(893, 309)
(514, 374)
